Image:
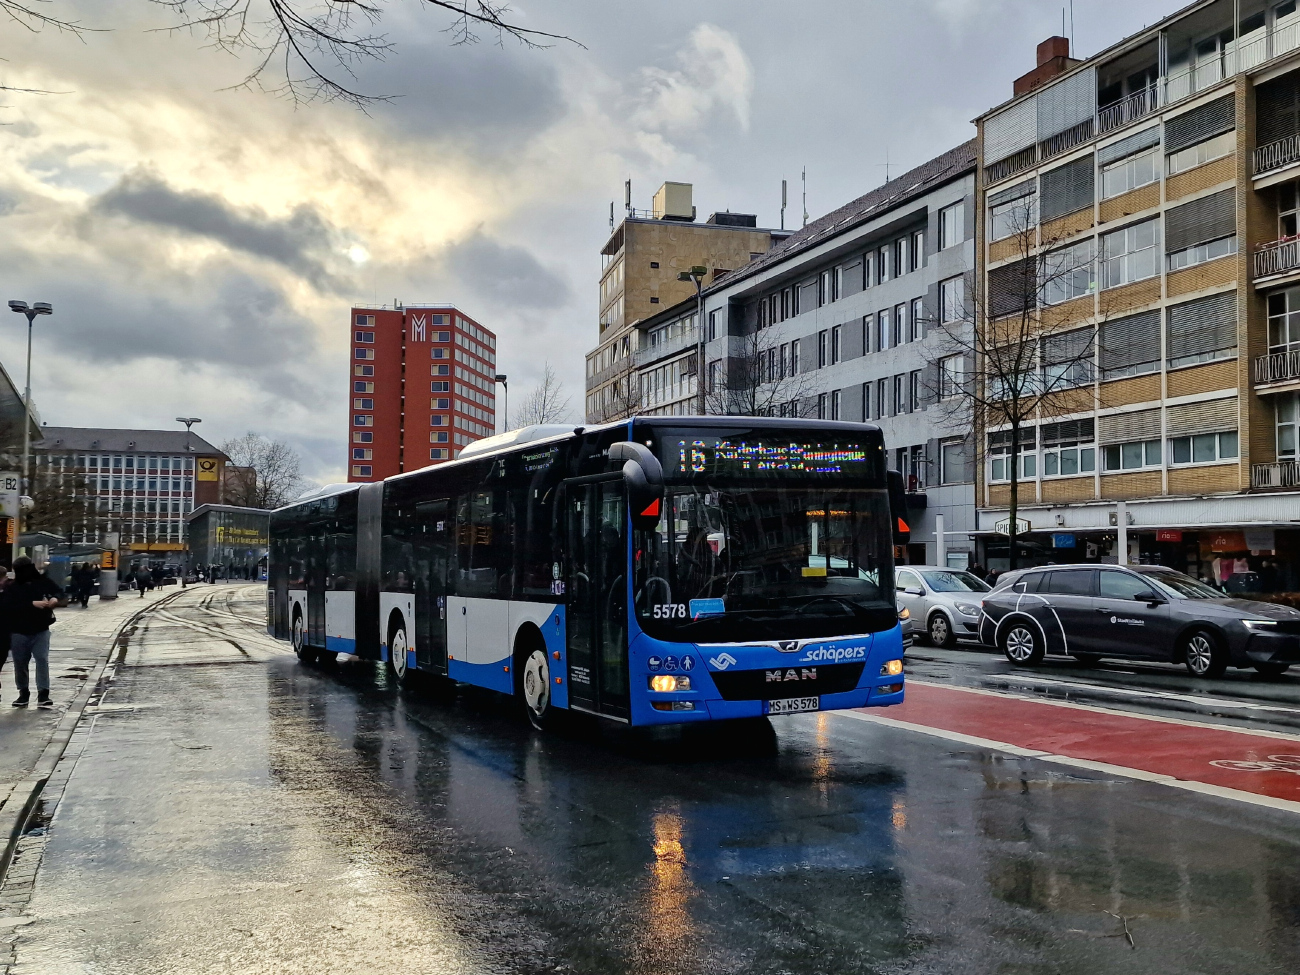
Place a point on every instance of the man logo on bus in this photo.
(722, 661)
(807, 673)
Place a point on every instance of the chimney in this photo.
(1053, 60)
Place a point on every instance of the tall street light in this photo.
(505, 414)
(696, 274)
(189, 422)
(36, 308)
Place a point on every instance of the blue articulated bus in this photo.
(652, 571)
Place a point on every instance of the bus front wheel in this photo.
(534, 686)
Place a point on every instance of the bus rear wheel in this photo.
(298, 634)
(397, 649)
(534, 686)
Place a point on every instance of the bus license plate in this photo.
(793, 705)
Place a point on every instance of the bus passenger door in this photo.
(432, 551)
(596, 585)
(316, 572)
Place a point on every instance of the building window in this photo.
(1016, 216)
(361, 470)
(1068, 448)
(1069, 273)
(436, 370)
(822, 343)
(1286, 426)
(363, 403)
(1203, 448)
(364, 370)
(1128, 174)
(952, 226)
(364, 336)
(952, 376)
(438, 420)
(362, 453)
(1130, 346)
(900, 325)
(713, 325)
(821, 406)
(1131, 456)
(952, 300)
(1130, 254)
(1202, 253)
(1000, 450)
(952, 462)
(365, 353)
(917, 321)
(1202, 153)
(882, 331)
(882, 397)
(357, 421)
(438, 453)
(366, 320)
(837, 346)
(897, 406)
(360, 387)
(439, 353)
(715, 375)
(1067, 359)
(440, 403)
(914, 391)
(440, 387)
(918, 250)
(440, 436)
(902, 256)
(882, 265)
(794, 358)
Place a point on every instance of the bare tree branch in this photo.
(266, 474)
(758, 378)
(547, 402)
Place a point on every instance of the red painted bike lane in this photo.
(1259, 764)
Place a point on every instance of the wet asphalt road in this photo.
(233, 810)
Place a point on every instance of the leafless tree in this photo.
(276, 477)
(622, 399)
(63, 503)
(758, 379)
(310, 48)
(547, 402)
(1015, 351)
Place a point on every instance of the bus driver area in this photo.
(653, 571)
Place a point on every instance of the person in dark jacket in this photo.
(27, 611)
(143, 580)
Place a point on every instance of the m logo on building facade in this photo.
(419, 325)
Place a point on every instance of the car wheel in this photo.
(534, 687)
(1021, 645)
(1087, 659)
(941, 634)
(1203, 656)
(1272, 670)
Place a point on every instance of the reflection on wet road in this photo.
(254, 814)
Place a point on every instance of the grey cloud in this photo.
(295, 242)
(505, 275)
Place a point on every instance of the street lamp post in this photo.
(22, 308)
(696, 275)
(505, 402)
(189, 422)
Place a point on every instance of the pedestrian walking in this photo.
(6, 580)
(27, 612)
(143, 580)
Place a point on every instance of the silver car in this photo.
(944, 604)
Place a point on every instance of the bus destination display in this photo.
(765, 457)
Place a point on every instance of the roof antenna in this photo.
(1071, 28)
(805, 196)
(783, 201)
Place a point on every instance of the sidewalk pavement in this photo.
(80, 643)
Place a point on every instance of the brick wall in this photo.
(1142, 484)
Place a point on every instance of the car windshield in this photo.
(945, 580)
(737, 562)
(1179, 586)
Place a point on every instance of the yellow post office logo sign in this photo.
(207, 469)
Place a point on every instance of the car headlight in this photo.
(904, 613)
(966, 609)
(1259, 624)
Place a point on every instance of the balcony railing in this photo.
(1277, 258)
(1128, 109)
(1283, 474)
(1278, 154)
(678, 343)
(1278, 367)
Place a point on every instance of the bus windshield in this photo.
(734, 562)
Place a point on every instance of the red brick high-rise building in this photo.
(423, 386)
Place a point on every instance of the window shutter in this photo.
(1067, 103)
(1202, 327)
(1012, 288)
(1200, 124)
(808, 353)
(852, 278)
(1210, 416)
(1027, 188)
(1128, 147)
(1201, 221)
(851, 337)
(808, 296)
(1067, 189)
(1068, 431)
(1277, 113)
(1011, 130)
(1127, 342)
(1124, 427)
(1065, 347)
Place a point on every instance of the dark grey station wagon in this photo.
(1142, 612)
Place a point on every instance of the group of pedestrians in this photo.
(27, 603)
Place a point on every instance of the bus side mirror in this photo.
(898, 508)
(644, 478)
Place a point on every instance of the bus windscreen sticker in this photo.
(707, 607)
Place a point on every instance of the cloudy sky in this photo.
(202, 245)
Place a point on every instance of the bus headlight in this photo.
(892, 668)
(669, 682)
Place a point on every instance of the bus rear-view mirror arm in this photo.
(644, 477)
